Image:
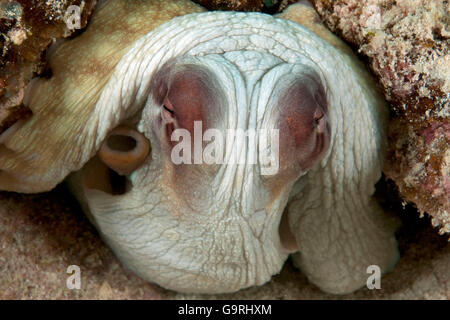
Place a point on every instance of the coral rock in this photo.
(28, 28)
(406, 43)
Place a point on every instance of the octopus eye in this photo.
(168, 108)
(168, 111)
(188, 99)
(124, 150)
(185, 94)
(304, 122)
(320, 121)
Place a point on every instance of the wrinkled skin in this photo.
(222, 227)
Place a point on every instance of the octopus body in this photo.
(106, 120)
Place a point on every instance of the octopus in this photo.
(143, 75)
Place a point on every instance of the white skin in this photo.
(216, 228)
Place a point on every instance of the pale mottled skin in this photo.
(63, 104)
(204, 228)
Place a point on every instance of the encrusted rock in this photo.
(270, 6)
(406, 43)
(28, 27)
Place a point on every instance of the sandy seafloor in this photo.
(41, 235)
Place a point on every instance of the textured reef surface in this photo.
(28, 27)
(406, 44)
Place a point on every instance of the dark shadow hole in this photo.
(119, 184)
(121, 143)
